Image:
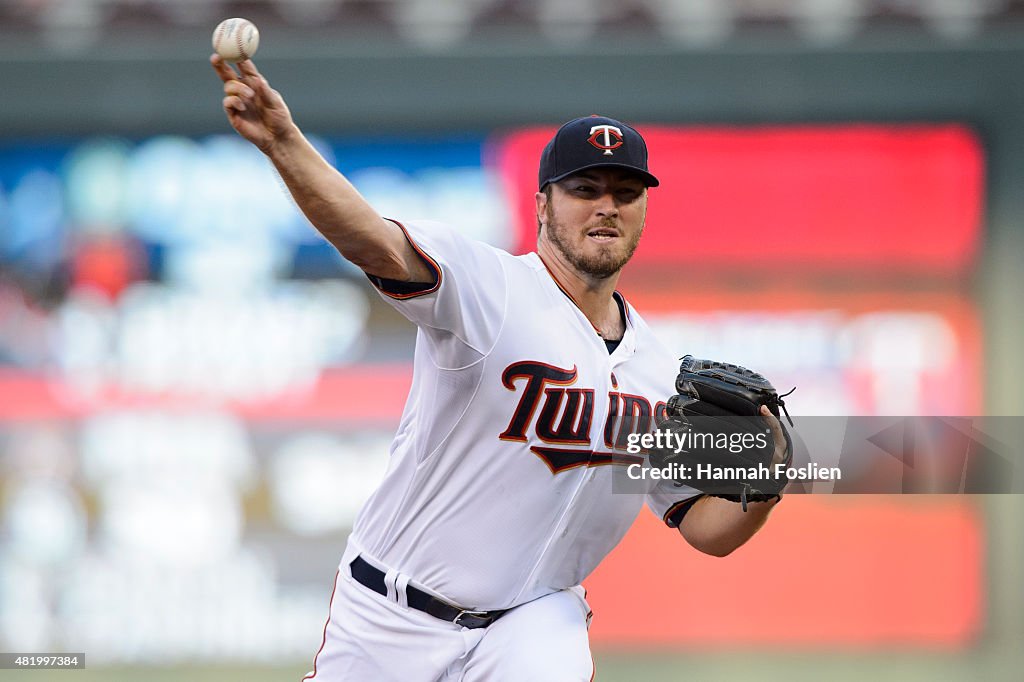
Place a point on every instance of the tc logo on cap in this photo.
(605, 137)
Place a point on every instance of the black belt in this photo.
(373, 578)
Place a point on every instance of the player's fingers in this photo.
(778, 435)
(238, 89)
(254, 79)
(234, 103)
(251, 75)
(773, 421)
(225, 72)
(248, 68)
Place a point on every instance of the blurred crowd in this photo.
(439, 24)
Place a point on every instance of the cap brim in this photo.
(648, 178)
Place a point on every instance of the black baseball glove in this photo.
(714, 437)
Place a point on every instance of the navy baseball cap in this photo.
(594, 142)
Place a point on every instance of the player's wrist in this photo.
(285, 145)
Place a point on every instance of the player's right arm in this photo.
(330, 202)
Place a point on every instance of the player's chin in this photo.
(614, 250)
(605, 263)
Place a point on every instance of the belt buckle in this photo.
(481, 619)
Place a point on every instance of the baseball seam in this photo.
(241, 49)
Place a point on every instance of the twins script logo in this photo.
(605, 137)
(565, 416)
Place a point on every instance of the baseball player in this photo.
(466, 562)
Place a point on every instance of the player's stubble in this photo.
(609, 260)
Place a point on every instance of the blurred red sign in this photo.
(858, 572)
(905, 197)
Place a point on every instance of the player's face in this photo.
(594, 219)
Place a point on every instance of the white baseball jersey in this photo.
(499, 485)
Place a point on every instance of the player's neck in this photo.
(592, 295)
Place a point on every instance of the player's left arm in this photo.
(717, 526)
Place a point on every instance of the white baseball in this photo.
(236, 39)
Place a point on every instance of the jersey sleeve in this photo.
(671, 503)
(466, 299)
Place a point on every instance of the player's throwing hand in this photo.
(253, 108)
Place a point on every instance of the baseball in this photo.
(236, 39)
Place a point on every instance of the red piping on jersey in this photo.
(431, 263)
(590, 615)
(324, 642)
(675, 507)
(554, 278)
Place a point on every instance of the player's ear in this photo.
(541, 201)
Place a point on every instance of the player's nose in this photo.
(605, 206)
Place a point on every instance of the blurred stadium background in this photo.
(196, 394)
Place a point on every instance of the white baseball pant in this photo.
(372, 637)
